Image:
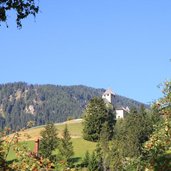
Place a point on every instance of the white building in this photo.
(108, 97)
(121, 112)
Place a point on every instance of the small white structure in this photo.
(121, 112)
(108, 97)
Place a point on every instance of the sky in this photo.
(124, 45)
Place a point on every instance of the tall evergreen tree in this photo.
(93, 163)
(133, 131)
(49, 141)
(86, 159)
(66, 147)
(96, 114)
(104, 147)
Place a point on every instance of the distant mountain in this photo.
(21, 102)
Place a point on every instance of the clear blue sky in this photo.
(124, 45)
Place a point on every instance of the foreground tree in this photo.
(157, 149)
(156, 156)
(96, 114)
(25, 158)
(49, 141)
(163, 105)
(23, 9)
(3, 163)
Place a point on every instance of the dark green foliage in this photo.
(22, 8)
(93, 163)
(20, 103)
(125, 149)
(96, 114)
(116, 162)
(66, 147)
(49, 141)
(133, 131)
(86, 159)
(103, 149)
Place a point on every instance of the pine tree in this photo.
(86, 159)
(104, 147)
(49, 141)
(66, 147)
(96, 114)
(93, 163)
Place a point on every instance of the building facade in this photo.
(108, 96)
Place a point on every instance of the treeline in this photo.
(21, 102)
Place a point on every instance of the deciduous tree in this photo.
(23, 9)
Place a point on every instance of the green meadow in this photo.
(75, 128)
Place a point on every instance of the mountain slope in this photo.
(21, 102)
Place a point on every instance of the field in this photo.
(75, 128)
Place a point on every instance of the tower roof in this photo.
(108, 91)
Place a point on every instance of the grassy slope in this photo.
(75, 129)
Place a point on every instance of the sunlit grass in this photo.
(75, 129)
(80, 147)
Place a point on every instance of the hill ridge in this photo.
(21, 102)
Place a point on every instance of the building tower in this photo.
(108, 96)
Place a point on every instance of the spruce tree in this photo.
(96, 114)
(93, 163)
(49, 141)
(86, 159)
(66, 147)
(104, 147)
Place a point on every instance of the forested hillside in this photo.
(21, 102)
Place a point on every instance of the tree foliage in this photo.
(66, 147)
(23, 9)
(86, 159)
(25, 158)
(130, 134)
(133, 131)
(93, 162)
(155, 149)
(156, 155)
(163, 105)
(49, 141)
(96, 114)
(103, 149)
